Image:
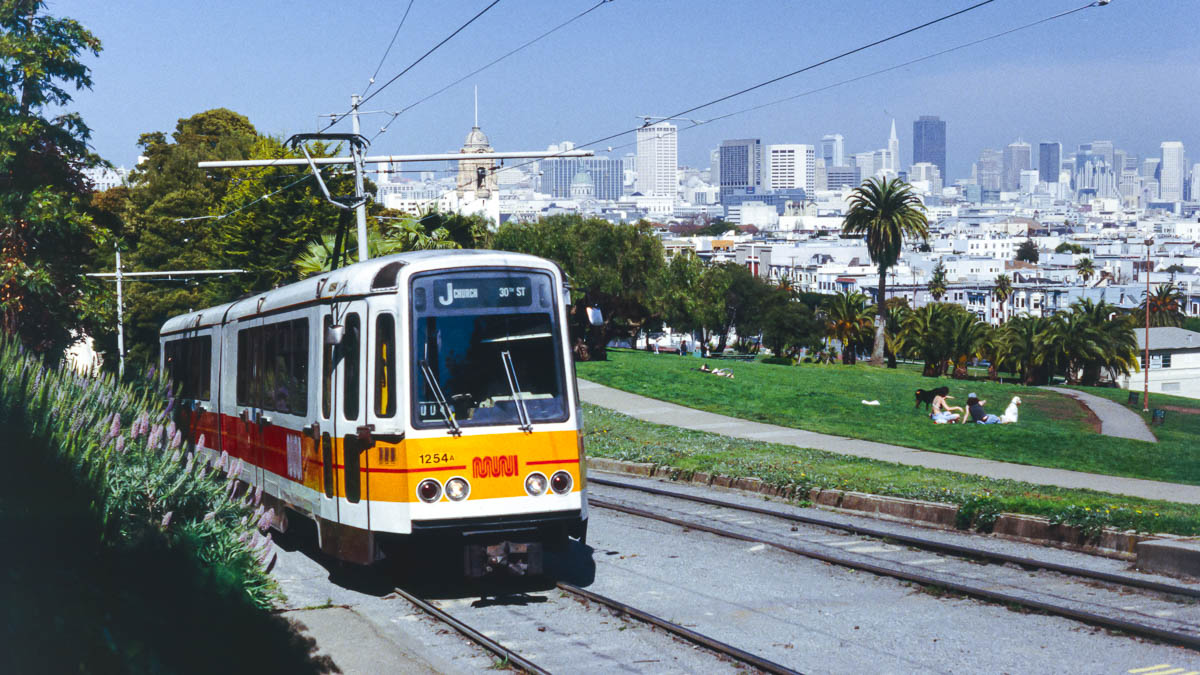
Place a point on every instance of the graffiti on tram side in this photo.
(494, 467)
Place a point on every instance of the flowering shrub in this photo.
(145, 482)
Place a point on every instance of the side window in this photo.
(385, 365)
(326, 369)
(350, 366)
(298, 376)
(245, 368)
(201, 360)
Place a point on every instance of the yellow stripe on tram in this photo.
(1158, 670)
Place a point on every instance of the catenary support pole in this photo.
(120, 321)
(360, 213)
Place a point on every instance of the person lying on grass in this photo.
(977, 413)
(716, 371)
(943, 413)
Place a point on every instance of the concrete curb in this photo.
(1145, 550)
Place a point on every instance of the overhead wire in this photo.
(696, 123)
(412, 65)
(785, 76)
(387, 51)
(972, 43)
(243, 207)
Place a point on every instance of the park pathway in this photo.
(1115, 419)
(661, 412)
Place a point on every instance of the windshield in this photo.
(495, 359)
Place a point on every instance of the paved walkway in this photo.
(1115, 419)
(661, 412)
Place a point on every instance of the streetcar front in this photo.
(494, 433)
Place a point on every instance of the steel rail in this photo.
(1190, 640)
(679, 631)
(471, 634)
(918, 542)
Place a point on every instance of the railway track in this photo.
(1143, 607)
(511, 657)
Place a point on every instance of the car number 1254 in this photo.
(435, 458)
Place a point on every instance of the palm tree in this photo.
(397, 237)
(1085, 268)
(937, 282)
(967, 334)
(924, 333)
(1002, 292)
(886, 212)
(848, 320)
(1166, 306)
(1021, 344)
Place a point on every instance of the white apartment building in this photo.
(1174, 363)
(792, 166)
(657, 160)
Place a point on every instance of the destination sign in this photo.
(465, 292)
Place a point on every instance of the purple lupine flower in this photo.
(176, 440)
(244, 537)
(166, 521)
(265, 521)
(170, 404)
(258, 495)
(243, 520)
(200, 442)
(175, 457)
(171, 428)
(150, 372)
(121, 445)
(223, 463)
(154, 436)
(190, 460)
(237, 468)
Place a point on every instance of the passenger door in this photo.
(350, 417)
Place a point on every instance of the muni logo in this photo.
(494, 467)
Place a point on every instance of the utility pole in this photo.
(360, 212)
(120, 275)
(120, 320)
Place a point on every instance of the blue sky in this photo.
(1126, 72)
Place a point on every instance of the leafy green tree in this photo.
(787, 325)
(1166, 305)
(46, 229)
(1021, 343)
(898, 309)
(1085, 268)
(925, 334)
(1068, 247)
(1094, 338)
(1027, 252)
(885, 212)
(937, 281)
(1002, 292)
(680, 295)
(612, 267)
(967, 337)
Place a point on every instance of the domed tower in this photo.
(477, 175)
(583, 188)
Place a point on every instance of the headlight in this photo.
(457, 489)
(561, 482)
(429, 490)
(535, 484)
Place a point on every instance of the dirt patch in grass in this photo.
(1068, 409)
(1181, 409)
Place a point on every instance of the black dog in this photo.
(926, 397)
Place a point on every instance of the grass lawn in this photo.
(1054, 431)
(611, 434)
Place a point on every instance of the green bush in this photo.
(145, 484)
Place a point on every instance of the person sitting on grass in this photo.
(943, 413)
(977, 414)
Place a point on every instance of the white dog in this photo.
(1010, 413)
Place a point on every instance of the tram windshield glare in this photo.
(468, 329)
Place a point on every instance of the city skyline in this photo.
(153, 72)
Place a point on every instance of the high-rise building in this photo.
(1104, 149)
(838, 177)
(989, 170)
(657, 160)
(1049, 160)
(833, 150)
(1194, 184)
(865, 161)
(792, 166)
(741, 165)
(1017, 158)
(1150, 167)
(927, 172)
(607, 176)
(892, 162)
(929, 142)
(1171, 172)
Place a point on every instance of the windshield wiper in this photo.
(515, 387)
(447, 413)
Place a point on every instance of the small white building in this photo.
(1174, 362)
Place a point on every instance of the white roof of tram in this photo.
(353, 280)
